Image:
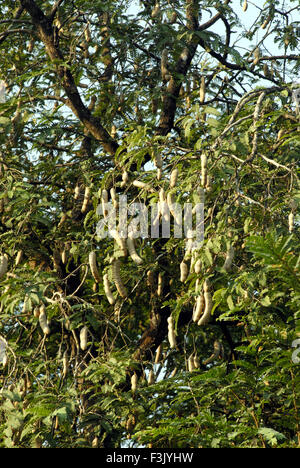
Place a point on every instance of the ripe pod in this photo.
(165, 76)
(134, 382)
(197, 266)
(203, 169)
(208, 305)
(117, 278)
(216, 354)
(132, 252)
(124, 179)
(93, 266)
(156, 10)
(83, 338)
(86, 200)
(291, 221)
(119, 240)
(183, 271)
(43, 320)
(173, 178)
(104, 201)
(202, 90)
(107, 290)
(150, 278)
(76, 192)
(191, 366)
(19, 257)
(229, 258)
(142, 185)
(159, 284)
(245, 5)
(151, 378)
(158, 354)
(3, 265)
(171, 332)
(3, 346)
(196, 362)
(65, 364)
(198, 308)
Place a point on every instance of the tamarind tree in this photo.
(145, 341)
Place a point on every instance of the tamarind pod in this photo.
(117, 278)
(142, 185)
(184, 271)
(208, 306)
(158, 354)
(132, 252)
(156, 10)
(64, 257)
(150, 278)
(159, 284)
(124, 179)
(43, 320)
(159, 173)
(165, 76)
(119, 240)
(171, 332)
(19, 257)
(163, 206)
(113, 196)
(87, 34)
(280, 134)
(216, 353)
(229, 259)
(198, 308)
(65, 364)
(134, 382)
(197, 266)
(266, 22)
(190, 363)
(202, 90)
(196, 362)
(76, 192)
(93, 266)
(197, 286)
(245, 5)
(291, 221)
(86, 199)
(151, 379)
(104, 201)
(174, 372)
(203, 169)
(3, 346)
(173, 178)
(107, 290)
(36, 312)
(83, 338)
(3, 265)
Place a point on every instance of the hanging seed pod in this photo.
(104, 202)
(159, 284)
(165, 75)
(19, 257)
(208, 305)
(76, 192)
(171, 332)
(266, 22)
(113, 197)
(203, 169)
(184, 271)
(202, 92)
(125, 178)
(116, 265)
(64, 256)
(142, 185)
(196, 362)
(93, 266)
(83, 338)
(151, 378)
(43, 320)
(132, 252)
(158, 160)
(216, 354)
(156, 11)
(107, 290)
(190, 363)
(159, 173)
(86, 200)
(134, 382)
(173, 178)
(198, 308)
(291, 221)
(229, 258)
(256, 54)
(87, 34)
(36, 312)
(158, 354)
(197, 267)
(150, 279)
(119, 240)
(3, 265)
(65, 364)
(245, 5)
(3, 355)
(280, 134)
